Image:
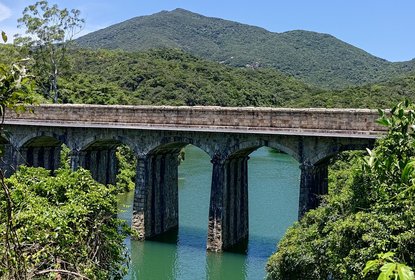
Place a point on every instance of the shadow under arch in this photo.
(99, 156)
(247, 147)
(325, 155)
(40, 151)
(166, 144)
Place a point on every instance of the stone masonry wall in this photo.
(245, 120)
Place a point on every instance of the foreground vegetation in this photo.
(65, 225)
(370, 210)
(60, 226)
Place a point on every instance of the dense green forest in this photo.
(315, 58)
(172, 77)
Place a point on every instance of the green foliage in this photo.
(49, 31)
(171, 77)
(125, 179)
(380, 95)
(65, 223)
(315, 58)
(389, 267)
(16, 85)
(65, 161)
(370, 209)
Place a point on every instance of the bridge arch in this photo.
(328, 152)
(245, 148)
(98, 154)
(48, 137)
(105, 140)
(40, 150)
(177, 142)
(156, 208)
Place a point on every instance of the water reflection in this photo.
(229, 267)
(147, 265)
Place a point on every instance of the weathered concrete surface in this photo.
(156, 135)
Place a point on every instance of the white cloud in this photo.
(5, 12)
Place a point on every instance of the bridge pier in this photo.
(313, 184)
(156, 207)
(9, 159)
(228, 211)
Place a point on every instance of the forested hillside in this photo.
(172, 77)
(378, 95)
(315, 58)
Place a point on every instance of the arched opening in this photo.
(110, 162)
(99, 158)
(274, 181)
(260, 197)
(176, 210)
(41, 151)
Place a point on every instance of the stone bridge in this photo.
(157, 134)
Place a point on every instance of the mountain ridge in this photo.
(316, 58)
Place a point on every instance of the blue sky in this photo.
(384, 28)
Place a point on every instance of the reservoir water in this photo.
(273, 205)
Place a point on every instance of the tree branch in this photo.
(46, 271)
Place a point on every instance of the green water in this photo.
(273, 204)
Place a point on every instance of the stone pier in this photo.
(228, 211)
(9, 159)
(156, 206)
(313, 184)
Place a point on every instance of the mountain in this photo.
(315, 58)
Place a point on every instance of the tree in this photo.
(369, 210)
(61, 226)
(65, 225)
(16, 85)
(15, 92)
(49, 33)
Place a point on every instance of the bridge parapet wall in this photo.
(347, 122)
